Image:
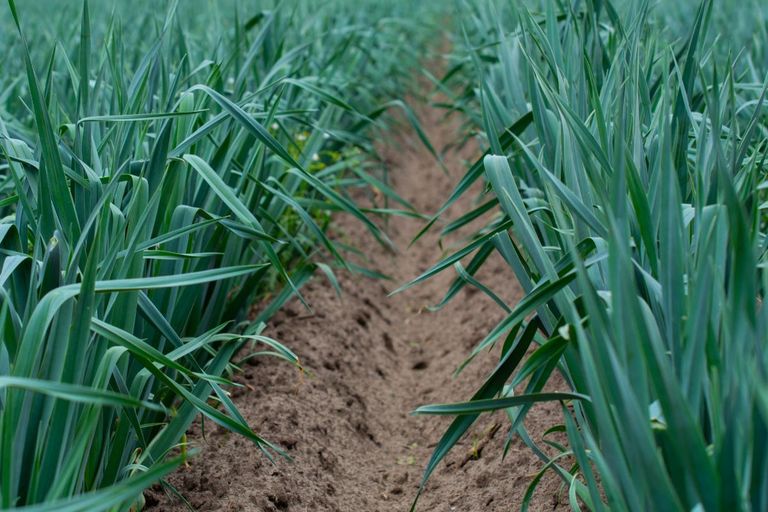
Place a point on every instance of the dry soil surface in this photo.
(372, 359)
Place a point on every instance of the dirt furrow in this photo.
(372, 359)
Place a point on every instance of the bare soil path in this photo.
(373, 359)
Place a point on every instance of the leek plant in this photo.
(158, 175)
(625, 176)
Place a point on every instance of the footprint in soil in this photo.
(278, 501)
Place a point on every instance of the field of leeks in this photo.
(625, 172)
(162, 170)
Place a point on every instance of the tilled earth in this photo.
(371, 360)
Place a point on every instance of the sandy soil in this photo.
(373, 359)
